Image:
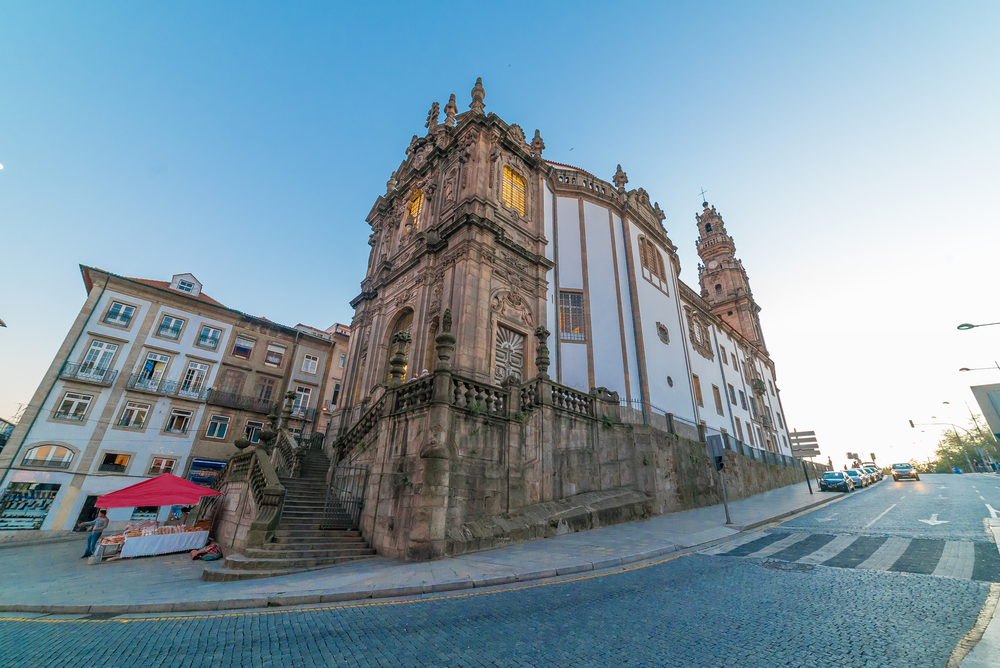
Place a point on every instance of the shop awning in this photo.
(163, 490)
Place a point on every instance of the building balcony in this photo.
(46, 463)
(307, 414)
(239, 401)
(112, 468)
(74, 417)
(169, 388)
(89, 373)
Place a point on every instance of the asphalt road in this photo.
(892, 508)
(768, 599)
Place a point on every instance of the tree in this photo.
(957, 448)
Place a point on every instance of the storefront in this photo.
(205, 471)
(25, 505)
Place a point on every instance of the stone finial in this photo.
(620, 179)
(390, 185)
(445, 341)
(450, 110)
(537, 145)
(286, 411)
(274, 416)
(542, 352)
(397, 363)
(432, 117)
(478, 95)
(659, 212)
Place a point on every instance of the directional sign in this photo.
(805, 453)
(796, 434)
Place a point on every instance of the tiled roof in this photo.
(560, 164)
(165, 285)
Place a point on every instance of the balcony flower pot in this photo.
(268, 435)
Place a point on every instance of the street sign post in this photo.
(717, 451)
(804, 444)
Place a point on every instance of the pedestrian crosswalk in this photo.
(942, 558)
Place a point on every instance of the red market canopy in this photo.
(163, 490)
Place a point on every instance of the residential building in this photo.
(153, 377)
(6, 427)
(528, 252)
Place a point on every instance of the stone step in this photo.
(312, 534)
(216, 571)
(299, 554)
(239, 562)
(314, 544)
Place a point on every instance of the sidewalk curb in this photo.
(392, 590)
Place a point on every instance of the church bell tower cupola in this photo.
(724, 282)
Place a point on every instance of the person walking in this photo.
(97, 527)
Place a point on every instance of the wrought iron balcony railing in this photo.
(239, 401)
(170, 388)
(112, 468)
(89, 373)
(46, 463)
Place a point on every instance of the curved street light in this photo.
(966, 325)
(995, 367)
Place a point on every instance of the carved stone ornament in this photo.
(403, 298)
(620, 179)
(432, 118)
(449, 185)
(537, 145)
(508, 353)
(478, 95)
(701, 340)
(542, 352)
(662, 332)
(516, 134)
(510, 305)
(450, 110)
(390, 185)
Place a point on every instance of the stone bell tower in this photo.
(724, 282)
(460, 227)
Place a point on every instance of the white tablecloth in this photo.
(144, 546)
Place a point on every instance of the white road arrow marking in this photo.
(827, 519)
(993, 511)
(882, 515)
(934, 520)
(982, 498)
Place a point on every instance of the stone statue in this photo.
(620, 179)
(478, 95)
(450, 110)
(432, 117)
(537, 145)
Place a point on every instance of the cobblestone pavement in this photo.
(692, 610)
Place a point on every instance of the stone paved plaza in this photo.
(693, 610)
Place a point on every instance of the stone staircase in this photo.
(299, 544)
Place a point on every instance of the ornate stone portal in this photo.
(509, 354)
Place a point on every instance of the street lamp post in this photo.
(955, 427)
(965, 325)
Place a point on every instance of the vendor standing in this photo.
(97, 527)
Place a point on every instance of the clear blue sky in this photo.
(852, 149)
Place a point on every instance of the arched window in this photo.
(48, 456)
(514, 189)
(404, 323)
(718, 290)
(653, 269)
(413, 209)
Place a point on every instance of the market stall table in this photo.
(145, 546)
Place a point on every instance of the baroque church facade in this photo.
(517, 247)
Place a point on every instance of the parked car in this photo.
(836, 481)
(859, 477)
(900, 471)
(875, 473)
(874, 467)
(869, 478)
